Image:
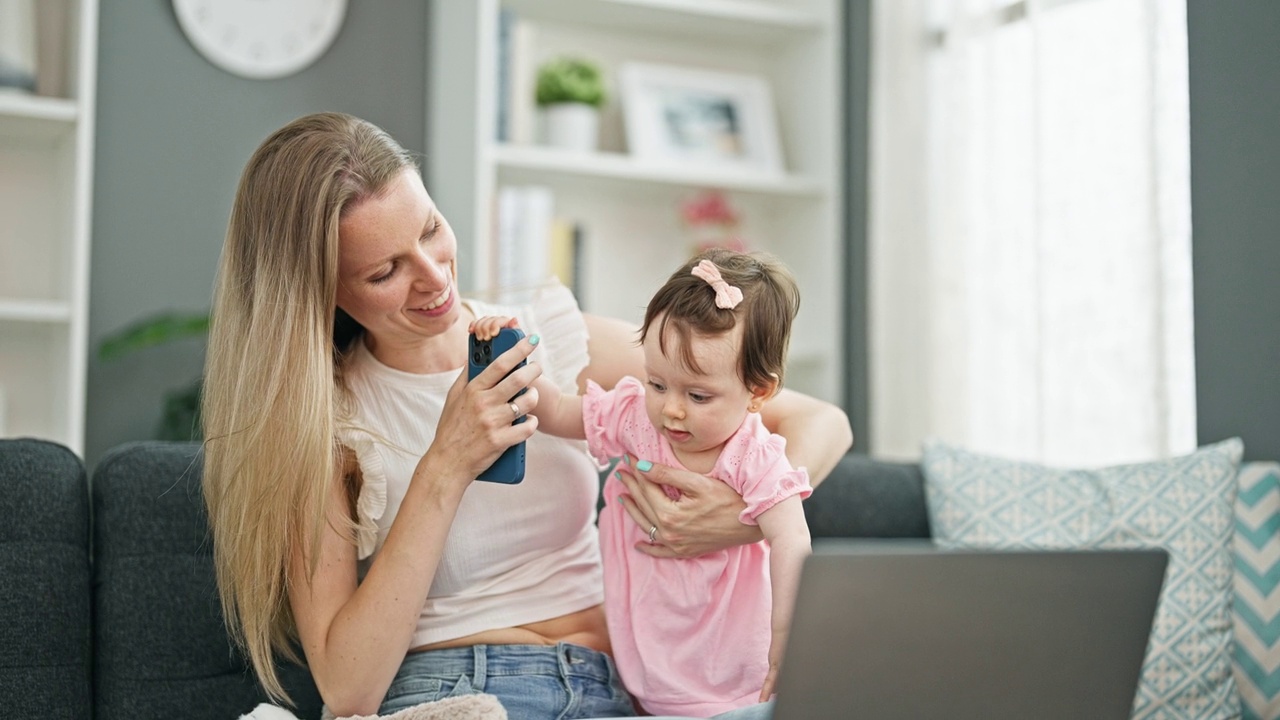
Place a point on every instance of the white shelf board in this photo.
(35, 117)
(760, 20)
(617, 166)
(16, 310)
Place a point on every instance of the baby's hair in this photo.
(686, 305)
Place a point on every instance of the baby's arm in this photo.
(787, 532)
(558, 414)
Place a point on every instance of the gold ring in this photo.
(653, 534)
(515, 410)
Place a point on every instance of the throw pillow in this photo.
(1256, 615)
(1182, 504)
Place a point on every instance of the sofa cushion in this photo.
(1184, 505)
(1256, 606)
(160, 647)
(45, 662)
(865, 498)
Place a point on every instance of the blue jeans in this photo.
(533, 682)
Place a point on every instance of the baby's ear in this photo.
(761, 393)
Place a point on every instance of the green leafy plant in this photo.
(570, 79)
(180, 416)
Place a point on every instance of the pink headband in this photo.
(727, 296)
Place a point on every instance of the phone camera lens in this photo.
(476, 357)
(488, 350)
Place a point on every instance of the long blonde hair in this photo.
(273, 383)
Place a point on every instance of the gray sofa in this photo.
(130, 626)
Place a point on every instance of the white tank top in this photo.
(516, 554)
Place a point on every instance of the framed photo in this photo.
(688, 115)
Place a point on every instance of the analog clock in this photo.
(261, 38)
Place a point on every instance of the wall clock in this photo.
(261, 39)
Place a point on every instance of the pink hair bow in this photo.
(727, 296)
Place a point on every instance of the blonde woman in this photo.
(343, 441)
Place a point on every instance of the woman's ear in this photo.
(761, 393)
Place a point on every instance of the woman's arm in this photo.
(355, 634)
(817, 432)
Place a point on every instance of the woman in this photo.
(342, 442)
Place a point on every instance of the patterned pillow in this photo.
(1256, 660)
(1182, 504)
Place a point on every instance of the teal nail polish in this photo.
(617, 474)
(535, 339)
(626, 459)
(644, 465)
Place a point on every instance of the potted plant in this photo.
(180, 418)
(570, 92)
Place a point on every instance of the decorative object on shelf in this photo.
(261, 39)
(705, 116)
(18, 45)
(53, 37)
(569, 94)
(712, 221)
(180, 419)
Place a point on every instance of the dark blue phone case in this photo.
(509, 467)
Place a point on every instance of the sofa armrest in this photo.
(865, 498)
(45, 662)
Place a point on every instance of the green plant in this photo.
(180, 416)
(570, 79)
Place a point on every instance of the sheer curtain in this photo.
(1029, 248)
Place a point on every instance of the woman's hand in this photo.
(476, 425)
(703, 520)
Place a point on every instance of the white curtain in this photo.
(1029, 244)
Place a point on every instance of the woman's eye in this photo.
(384, 276)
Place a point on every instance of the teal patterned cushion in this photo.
(1257, 597)
(1182, 504)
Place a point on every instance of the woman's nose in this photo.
(428, 274)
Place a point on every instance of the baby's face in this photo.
(695, 412)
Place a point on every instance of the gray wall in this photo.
(173, 133)
(1235, 203)
(857, 111)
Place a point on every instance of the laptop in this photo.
(886, 629)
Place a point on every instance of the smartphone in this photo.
(509, 467)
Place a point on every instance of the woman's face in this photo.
(397, 273)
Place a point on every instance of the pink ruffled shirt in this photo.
(690, 637)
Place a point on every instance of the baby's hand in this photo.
(771, 679)
(770, 682)
(487, 327)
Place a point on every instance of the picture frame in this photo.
(690, 115)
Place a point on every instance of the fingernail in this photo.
(626, 459)
(644, 465)
(617, 474)
(534, 339)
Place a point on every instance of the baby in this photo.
(701, 636)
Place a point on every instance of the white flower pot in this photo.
(570, 126)
(18, 45)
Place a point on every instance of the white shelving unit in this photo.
(629, 208)
(46, 171)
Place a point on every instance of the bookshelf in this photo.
(46, 163)
(628, 207)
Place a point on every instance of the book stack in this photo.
(532, 246)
